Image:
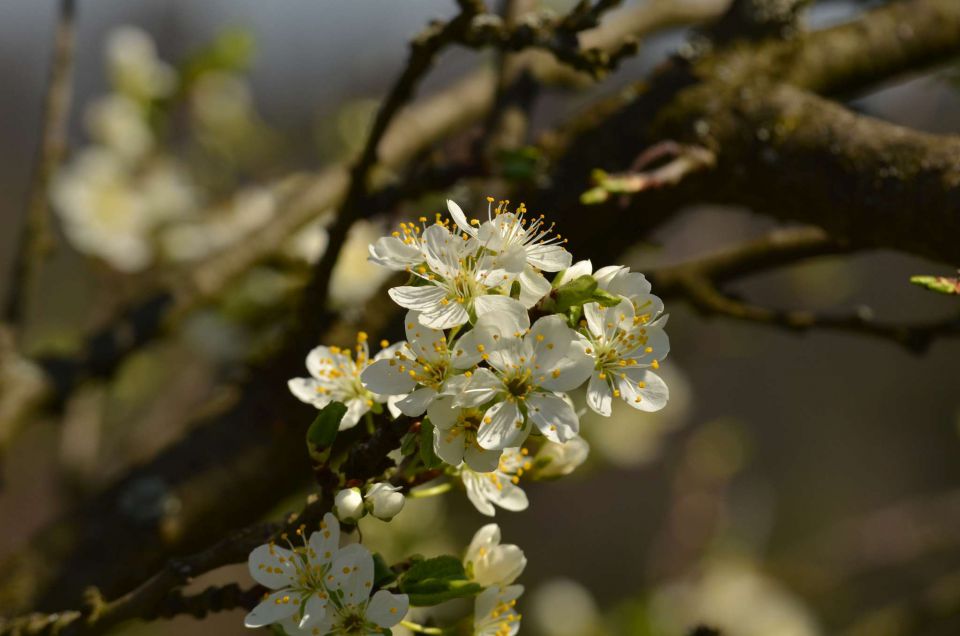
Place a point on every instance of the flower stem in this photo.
(433, 491)
(420, 629)
(369, 419)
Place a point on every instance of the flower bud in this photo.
(384, 501)
(348, 505)
(557, 460)
(490, 563)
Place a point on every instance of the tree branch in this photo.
(699, 282)
(36, 237)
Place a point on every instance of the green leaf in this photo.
(323, 431)
(941, 284)
(383, 574)
(520, 164)
(574, 293)
(433, 581)
(230, 51)
(427, 456)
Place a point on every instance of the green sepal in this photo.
(940, 284)
(433, 581)
(408, 444)
(427, 455)
(581, 290)
(323, 431)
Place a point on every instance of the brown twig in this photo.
(699, 282)
(36, 237)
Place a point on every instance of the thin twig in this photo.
(36, 237)
(699, 283)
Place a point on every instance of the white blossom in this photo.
(419, 367)
(134, 67)
(624, 347)
(529, 369)
(488, 562)
(349, 506)
(498, 487)
(455, 437)
(103, 212)
(384, 500)
(296, 577)
(120, 124)
(508, 232)
(494, 612)
(456, 273)
(352, 611)
(335, 376)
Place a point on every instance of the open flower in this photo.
(455, 438)
(494, 611)
(489, 563)
(296, 576)
(498, 487)
(335, 376)
(352, 610)
(457, 273)
(523, 382)
(624, 348)
(511, 232)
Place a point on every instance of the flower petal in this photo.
(533, 287)
(422, 298)
(550, 338)
(445, 316)
(272, 566)
(314, 611)
(356, 408)
(480, 459)
(643, 390)
(387, 609)
(599, 395)
(549, 258)
(461, 219)
(417, 402)
(553, 416)
(427, 344)
(570, 372)
(503, 426)
(273, 609)
(393, 253)
(575, 271)
(389, 377)
(507, 315)
(352, 574)
(483, 387)
(324, 542)
(305, 390)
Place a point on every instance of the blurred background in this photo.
(796, 485)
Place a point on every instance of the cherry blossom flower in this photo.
(499, 487)
(455, 437)
(457, 273)
(295, 575)
(489, 563)
(335, 376)
(523, 384)
(494, 612)
(624, 348)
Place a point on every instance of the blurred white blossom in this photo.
(563, 607)
(134, 67)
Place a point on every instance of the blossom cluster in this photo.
(502, 326)
(489, 356)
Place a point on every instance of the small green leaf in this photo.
(941, 284)
(605, 298)
(594, 196)
(433, 581)
(383, 574)
(323, 431)
(427, 455)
